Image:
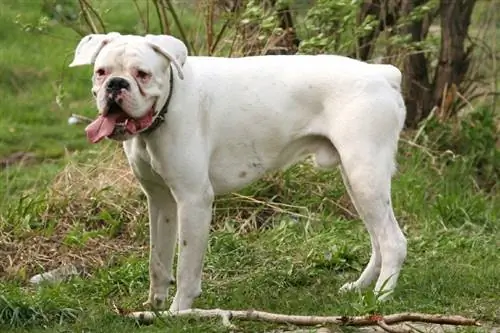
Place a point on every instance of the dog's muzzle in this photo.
(116, 84)
(115, 123)
(114, 88)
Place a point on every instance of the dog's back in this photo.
(284, 106)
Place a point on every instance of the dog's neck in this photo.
(159, 117)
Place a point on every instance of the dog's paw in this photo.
(155, 301)
(178, 305)
(174, 308)
(182, 302)
(349, 286)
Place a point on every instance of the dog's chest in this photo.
(142, 162)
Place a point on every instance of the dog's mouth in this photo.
(117, 123)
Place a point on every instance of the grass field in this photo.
(284, 244)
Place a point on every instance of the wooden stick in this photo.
(82, 119)
(368, 320)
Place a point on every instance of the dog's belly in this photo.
(232, 167)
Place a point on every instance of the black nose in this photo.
(116, 84)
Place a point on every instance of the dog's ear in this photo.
(170, 47)
(89, 47)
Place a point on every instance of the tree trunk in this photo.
(285, 42)
(423, 94)
(288, 42)
(416, 84)
(423, 91)
(454, 59)
(386, 12)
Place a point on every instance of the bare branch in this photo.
(95, 13)
(162, 17)
(87, 17)
(141, 15)
(189, 45)
(147, 17)
(209, 24)
(253, 315)
(494, 80)
(218, 38)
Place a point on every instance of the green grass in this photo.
(32, 70)
(285, 244)
(287, 269)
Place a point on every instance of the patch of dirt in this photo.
(36, 254)
(346, 208)
(89, 217)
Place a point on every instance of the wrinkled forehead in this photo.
(129, 52)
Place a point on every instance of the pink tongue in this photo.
(100, 128)
(103, 126)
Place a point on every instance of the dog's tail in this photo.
(394, 77)
(391, 73)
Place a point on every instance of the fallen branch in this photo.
(369, 320)
(77, 119)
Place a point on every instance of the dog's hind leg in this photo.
(367, 170)
(372, 269)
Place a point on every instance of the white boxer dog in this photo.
(196, 127)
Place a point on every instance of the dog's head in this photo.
(131, 80)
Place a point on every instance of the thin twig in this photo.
(147, 17)
(254, 315)
(275, 206)
(494, 81)
(424, 124)
(87, 17)
(70, 25)
(344, 209)
(162, 17)
(98, 17)
(141, 16)
(465, 100)
(441, 109)
(209, 25)
(190, 46)
(424, 149)
(225, 25)
(493, 94)
(82, 119)
(233, 43)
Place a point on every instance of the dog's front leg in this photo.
(195, 213)
(163, 235)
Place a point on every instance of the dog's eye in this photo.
(100, 72)
(142, 74)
